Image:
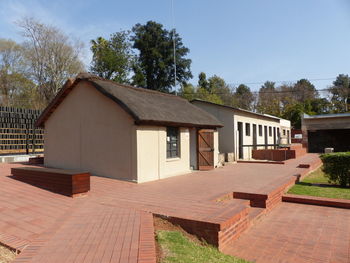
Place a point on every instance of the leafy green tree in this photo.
(268, 99)
(155, 69)
(243, 97)
(204, 94)
(113, 58)
(293, 112)
(303, 90)
(340, 93)
(188, 91)
(320, 106)
(218, 86)
(202, 81)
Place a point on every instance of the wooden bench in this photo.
(67, 182)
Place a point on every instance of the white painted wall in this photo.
(244, 117)
(228, 135)
(88, 131)
(285, 126)
(216, 148)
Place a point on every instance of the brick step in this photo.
(295, 146)
(255, 213)
(314, 200)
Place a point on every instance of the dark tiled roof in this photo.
(237, 109)
(144, 105)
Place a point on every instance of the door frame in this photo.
(205, 167)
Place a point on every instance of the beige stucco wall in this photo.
(88, 131)
(226, 140)
(152, 163)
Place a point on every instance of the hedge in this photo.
(336, 166)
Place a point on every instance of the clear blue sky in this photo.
(243, 41)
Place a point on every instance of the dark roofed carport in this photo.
(327, 131)
(321, 139)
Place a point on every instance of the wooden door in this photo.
(240, 140)
(205, 149)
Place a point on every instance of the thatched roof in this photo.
(147, 107)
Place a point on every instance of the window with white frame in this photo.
(172, 142)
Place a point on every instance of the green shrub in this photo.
(336, 166)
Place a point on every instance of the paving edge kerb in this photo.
(314, 200)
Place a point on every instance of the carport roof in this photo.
(146, 107)
(325, 116)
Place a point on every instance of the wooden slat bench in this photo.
(67, 182)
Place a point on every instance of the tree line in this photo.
(32, 72)
(287, 101)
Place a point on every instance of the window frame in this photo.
(172, 137)
(260, 130)
(247, 129)
(270, 131)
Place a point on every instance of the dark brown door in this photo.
(240, 140)
(254, 137)
(205, 149)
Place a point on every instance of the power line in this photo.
(257, 92)
(280, 81)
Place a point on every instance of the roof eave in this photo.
(177, 124)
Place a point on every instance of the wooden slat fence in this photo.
(17, 132)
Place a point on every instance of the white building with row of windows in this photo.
(244, 130)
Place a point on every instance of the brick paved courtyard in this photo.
(297, 233)
(42, 221)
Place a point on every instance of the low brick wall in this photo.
(273, 155)
(314, 200)
(291, 152)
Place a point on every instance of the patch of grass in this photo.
(176, 248)
(6, 255)
(317, 184)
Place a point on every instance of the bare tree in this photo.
(51, 56)
(12, 72)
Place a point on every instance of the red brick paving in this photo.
(30, 212)
(97, 233)
(297, 233)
